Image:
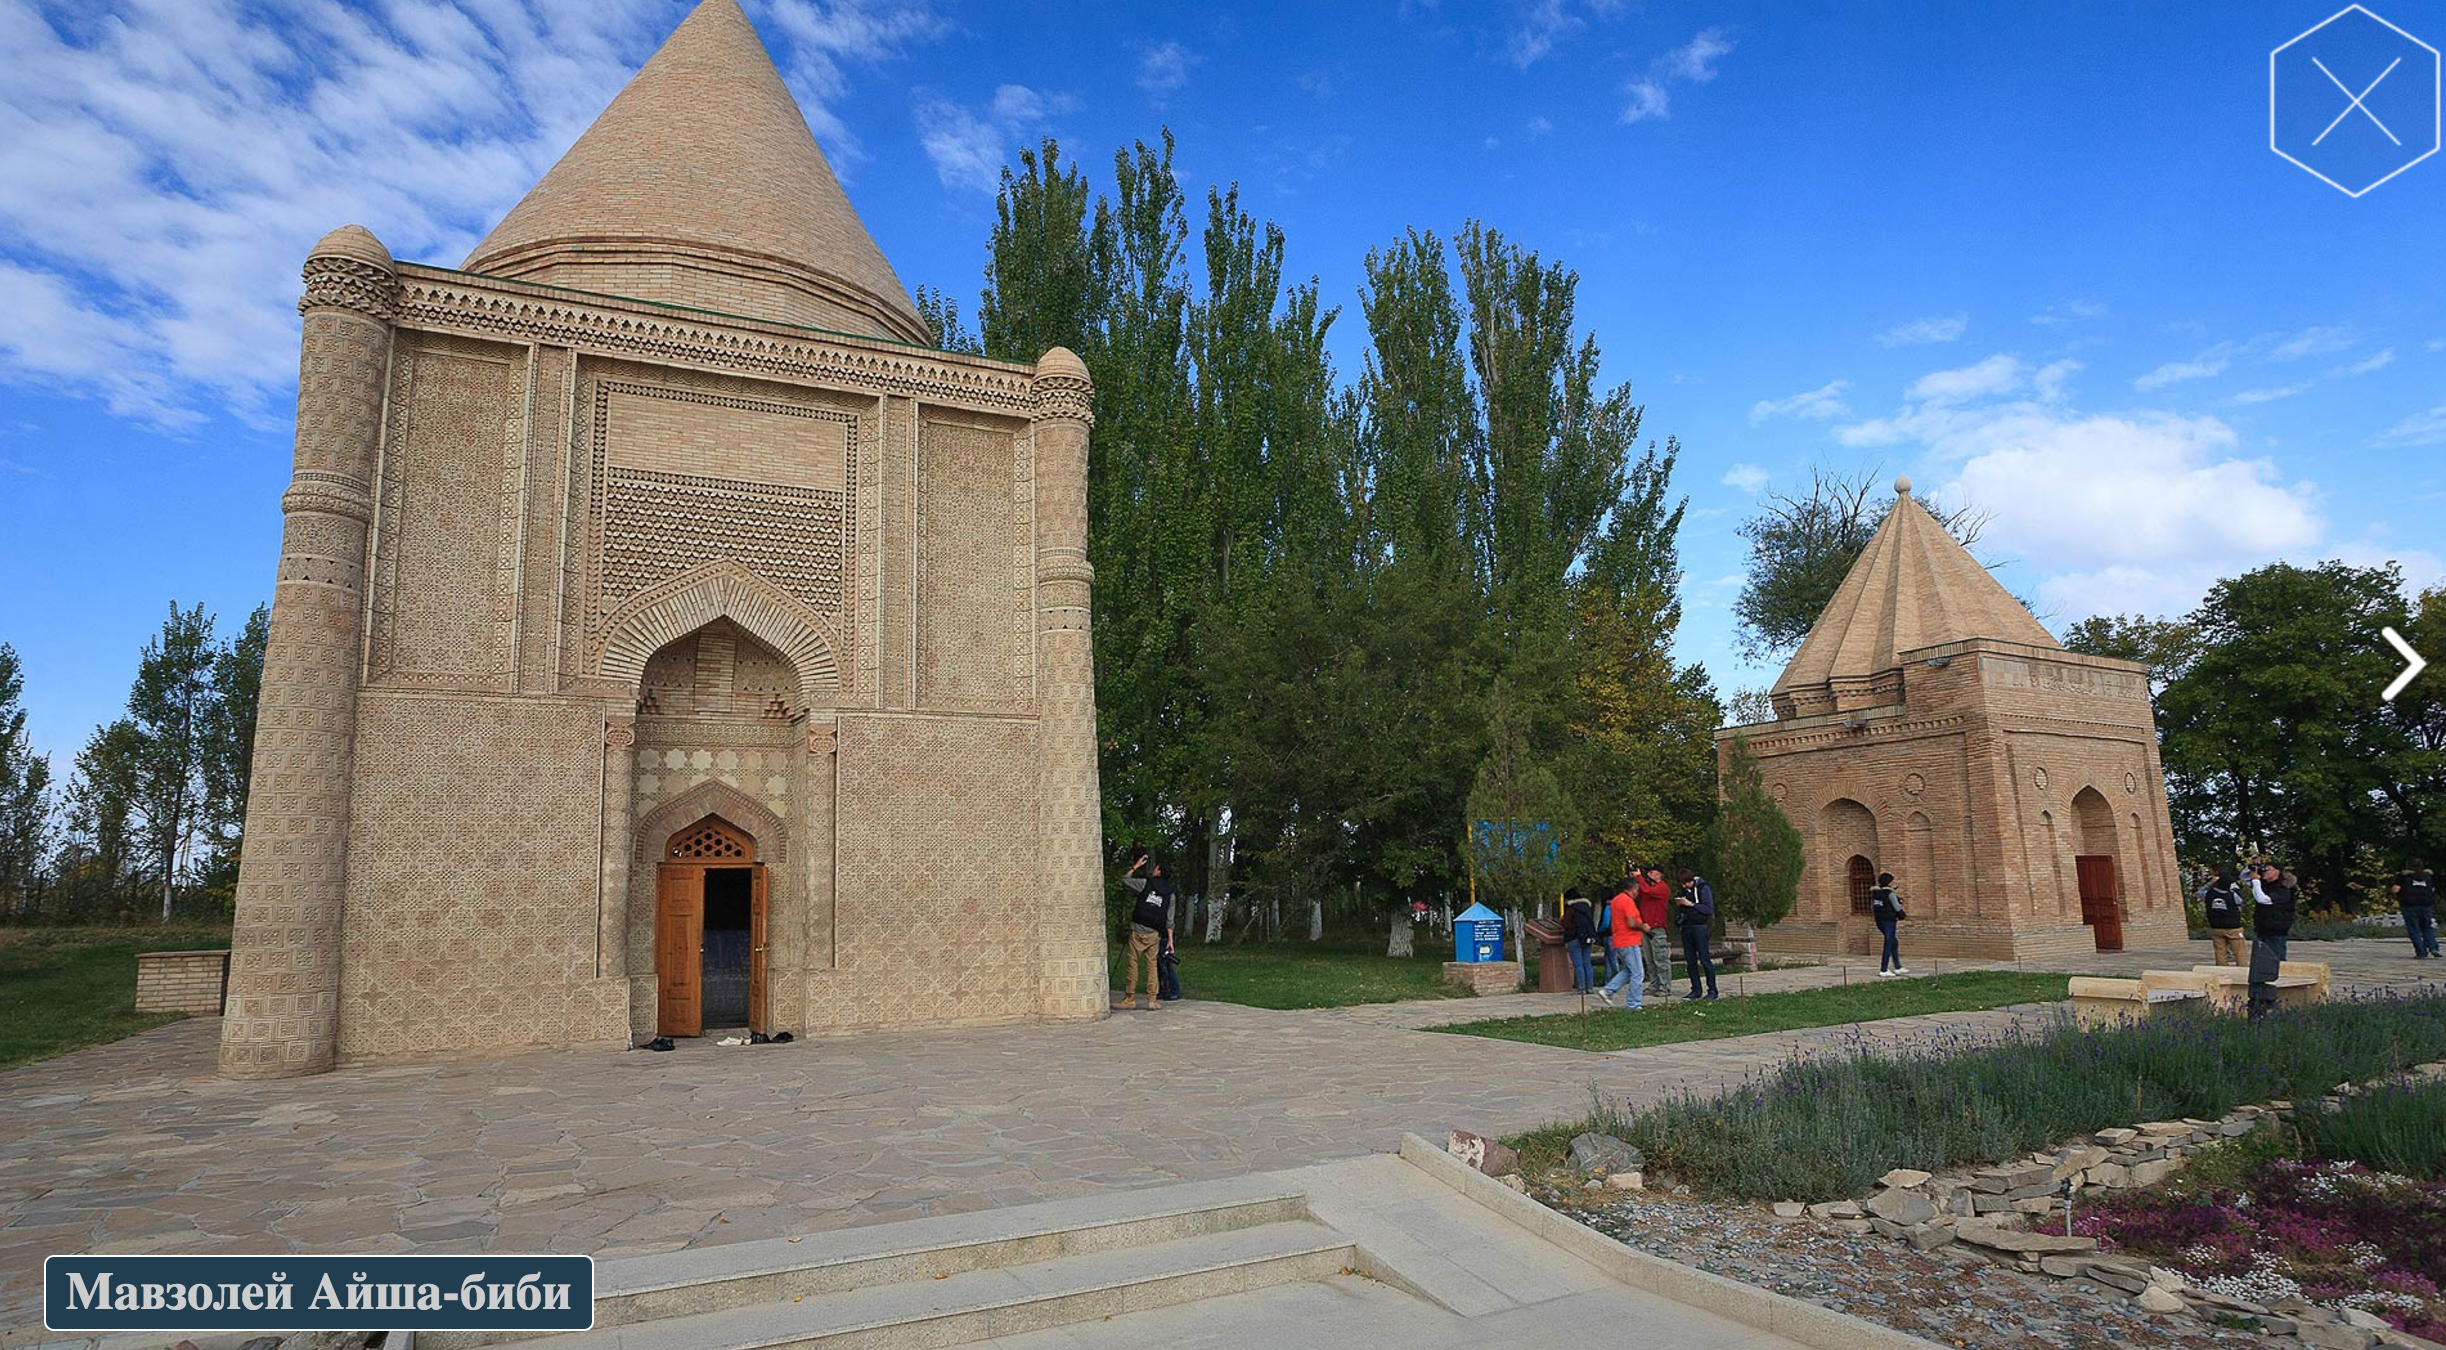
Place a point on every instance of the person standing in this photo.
(1655, 911)
(1696, 908)
(2222, 898)
(2416, 894)
(1885, 907)
(1625, 934)
(1579, 931)
(1150, 929)
(2272, 894)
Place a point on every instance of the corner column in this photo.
(619, 844)
(1071, 975)
(282, 1013)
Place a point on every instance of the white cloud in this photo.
(1539, 126)
(1694, 62)
(170, 164)
(2378, 360)
(2423, 428)
(2069, 311)
(2118, 512)
(1544, 24)
(1644, 99)
(1926, 330)
(1996, 375)
(2312, 342)
(2273, 393)
(1696, 59)
(970, 145)
(1747, 477)
(1163, 69)
(1817, 404)
(2207, 365)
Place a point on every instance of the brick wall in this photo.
(181, 982)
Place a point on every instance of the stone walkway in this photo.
(136, 1146)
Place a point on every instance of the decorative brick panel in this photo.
(182, 982)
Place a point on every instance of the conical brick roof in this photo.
(700, 185)
(1913, 586)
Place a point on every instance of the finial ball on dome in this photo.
(1902, 486)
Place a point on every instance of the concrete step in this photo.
(999, 1300)
(779, 1270)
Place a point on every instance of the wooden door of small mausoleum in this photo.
(2101, 902)
(709, 931)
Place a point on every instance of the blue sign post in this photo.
(1477, 935)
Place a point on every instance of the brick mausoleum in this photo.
(666, 635)
(1931, 728)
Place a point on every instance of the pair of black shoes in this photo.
(1697, 995)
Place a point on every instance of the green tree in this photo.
(94, 875)
(2418, 786)
(1753, 852)
(229, 749)
(1519, 826)
(2165, 646)
(1803, 545)
(1642, 749)
(2273, 733)
(942, 316)
(171, 708)
(1040, 290)
(25, 793)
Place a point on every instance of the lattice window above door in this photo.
(712, 839)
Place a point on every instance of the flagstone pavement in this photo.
(136, 1146)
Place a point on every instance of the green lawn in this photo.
(1667, 1021)
(63, 989)
(1302, 974)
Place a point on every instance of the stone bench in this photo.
(193, 983)
(2298, 983)
(2097, 1001)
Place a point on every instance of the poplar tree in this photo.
(25, 793)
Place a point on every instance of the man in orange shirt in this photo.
(1625, 936)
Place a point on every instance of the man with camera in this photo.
(1150, 931)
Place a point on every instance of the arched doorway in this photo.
(2095, 869)
(1842, 864)
(710, 898)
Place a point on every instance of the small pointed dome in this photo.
(701, 186)
(354, 242)
(1913, 586)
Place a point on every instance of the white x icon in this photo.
(2356, 99)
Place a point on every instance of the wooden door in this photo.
(679, 939)
(756, 1019)
(2101, 908)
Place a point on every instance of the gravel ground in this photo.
(1948, 1295)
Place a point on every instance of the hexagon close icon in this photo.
(2354, 101)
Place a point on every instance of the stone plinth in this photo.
(182, 982)
(1482, 978)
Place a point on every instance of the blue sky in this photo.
(2040, 257)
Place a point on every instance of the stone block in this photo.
(2156, 1300)
(2036, 1204)
(1604, 1153)
(2151, 1173)
(1929, 1236)
(1631, 1180)
(2063, 1267)
(1859, 1226)
(2116, 1136)
(1995, 1237)
(1790, 1209)
(1483, 1153)
(1901, 1206)
(1904, 1176)
(2110, 1174)
(1835, 1209)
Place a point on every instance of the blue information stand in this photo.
(1477, 935)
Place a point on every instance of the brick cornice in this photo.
(452, 302)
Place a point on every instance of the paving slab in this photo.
(708, 1145)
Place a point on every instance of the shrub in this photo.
(1824, 1128)
(2398, 1127)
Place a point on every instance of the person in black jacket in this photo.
(2272, 892)
(2223, 900)
(1150, 929)
(1695, 909)
(1885, 908)
(2416, 894)
(1579, 930)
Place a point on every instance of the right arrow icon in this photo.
(2414, 663)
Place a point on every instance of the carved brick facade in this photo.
(1930, 728)
(566, 574)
